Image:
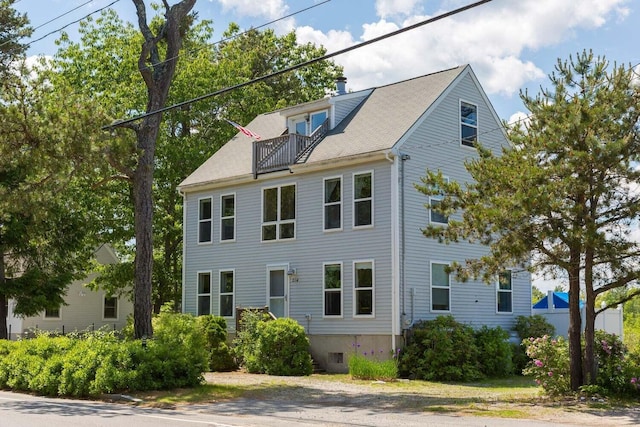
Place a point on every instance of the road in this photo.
(21, 410)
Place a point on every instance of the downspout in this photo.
(184, 249)
(403, 158)
(391, 157)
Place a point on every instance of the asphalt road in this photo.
(21, 410)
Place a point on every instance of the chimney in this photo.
(341, 83)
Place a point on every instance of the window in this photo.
(333, 203)
(468, 123)
(226, 293)
(363, 199)
(505, 292)
(110, 308)
(306, 124)
(332, 278)
(279, 213)
(434, 216)
(228, 217)
(204, 293)
(52, 313)
(205, 220)
(440, 289)
(363, 288)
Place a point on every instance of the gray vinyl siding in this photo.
(342, 108)
(436, 145)
(312, 247)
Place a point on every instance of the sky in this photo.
(511, 45)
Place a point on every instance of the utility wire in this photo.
(70, 23)
(239, 34)
(118, 123)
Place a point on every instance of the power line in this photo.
(71, 23)
(295, 67)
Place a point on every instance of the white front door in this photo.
(278, 291)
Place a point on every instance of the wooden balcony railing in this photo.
(279, 153)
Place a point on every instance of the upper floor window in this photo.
(436, 217)
(226, 293)
(468, 123)
(205, 220)
(440, 288)
(110, 308)
(279, 213)
(227, 217)
(363, 199)
(333, 203)
(363, 286)
(306, 124)
(332, 278)
(505, 292)
(204, 293)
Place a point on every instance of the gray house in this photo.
(319, 219)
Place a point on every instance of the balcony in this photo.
(279, 153)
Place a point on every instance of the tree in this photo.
(13, 27)
(561, 198)
(102, 64)
(536, 294)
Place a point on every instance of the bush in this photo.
(214, 329)
(615, 365)
(245, 344)
(549, 364)
(526, 327)
(440, 349)
(495, 351)
(283, 348)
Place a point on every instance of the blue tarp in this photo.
(560, 300)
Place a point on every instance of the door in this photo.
(278, 290)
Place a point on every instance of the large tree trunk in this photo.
(157, 75)
(575, 345)
(590, 368)
(4, 312)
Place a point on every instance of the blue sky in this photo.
(511, 45)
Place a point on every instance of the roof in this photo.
(377, 124)
(560, 300)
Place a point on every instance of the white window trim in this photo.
(353, 200)
(235, 231)
(373, 289)
(438, 198)
(110, 319)
(431, 287)
(233, 294)
(325, 204)
(198, 294)
(45, 317)
(477, 125)
(208, 242)
(324, 291)
(278, 221)
(306, 117)
(498, 291)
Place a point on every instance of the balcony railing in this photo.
(279, 153)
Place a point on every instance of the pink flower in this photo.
(634, 380)
(538, 363)
(550, 373)
(537, 381)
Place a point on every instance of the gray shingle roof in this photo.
(376, 124)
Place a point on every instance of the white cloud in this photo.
(492, 38)
(270, 9)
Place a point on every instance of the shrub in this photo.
(215, 332)
(549, 365)
(615, 364)
(246, 341)
(535, 326)
(440, 349)
(495, 351)
(283, 348)
(368, 367)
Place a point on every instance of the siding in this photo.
(435, 145)
(343, 107)
(312, 246)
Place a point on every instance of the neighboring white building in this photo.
(320, 221)
(85, 310)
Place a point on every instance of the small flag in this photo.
(247, 132)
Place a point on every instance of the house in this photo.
(86, 309)
(319, 219)
(557, 313)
